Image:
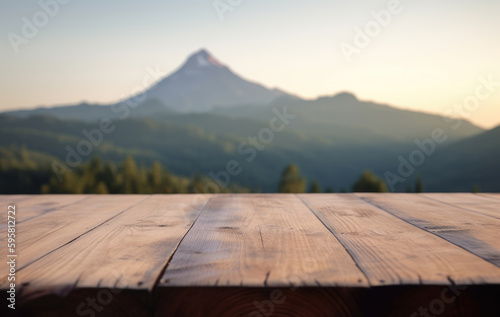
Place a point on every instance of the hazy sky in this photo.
(429, 57)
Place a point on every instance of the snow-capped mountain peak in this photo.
(203, 82)
(202, 58)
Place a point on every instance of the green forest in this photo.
(26, 172)
(177, 154)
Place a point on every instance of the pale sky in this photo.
(429, 57)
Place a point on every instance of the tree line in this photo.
(23, 172)
(292, 182)
(97, 177)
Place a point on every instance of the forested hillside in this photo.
(188, 146)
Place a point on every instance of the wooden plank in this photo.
(390, 301)
(130, 251)
(476, 233)
(468, 201)
(390, 251)
(260, 240)
(258, 302)
(7, 199)
(89, 302)
(273, 243)
(490, 195)
(35, 239)
(42, 204)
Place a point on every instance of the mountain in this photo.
(343, 118)
(204, 92)
(197, 119)
(150, 108)
(204, 143)
(335, 120)
(459, 166)
(200, 84)
(188, 148)
(203, 82)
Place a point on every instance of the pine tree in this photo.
(130, 176)
(291, 181)
(156, 178)
(196, 185)
(476, 189)
(101, 188)
(315, 188)
(369, 183)
(419, 185)
(110, 177)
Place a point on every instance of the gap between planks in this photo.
(264, 240)
(44, 234)
(391, 251)
(476, 233)
(467, 201)
(129, 251)
(365, 270)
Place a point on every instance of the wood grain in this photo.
(260, 240)
(5, 201)
(476, 233)
(472, 202)
(130, 251)
(390, 251)
(229, 255)
(35, 239)
(42, 204)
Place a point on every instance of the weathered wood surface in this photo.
(132, 249)
(390, 250)
(39, 236)
(5, 200)
(477, 233)
(485, 205)
(261, 240)
(256, 255)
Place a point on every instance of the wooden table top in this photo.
(149, 244)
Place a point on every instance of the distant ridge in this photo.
(205, 86)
